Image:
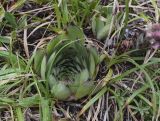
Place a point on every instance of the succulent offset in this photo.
(101, 22)
(68, 66)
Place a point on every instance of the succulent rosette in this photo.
(68, 66)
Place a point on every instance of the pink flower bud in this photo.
(153, 33)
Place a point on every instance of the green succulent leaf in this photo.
(50, 63)
(61, 91)
(52, 80)
(84, 89)
(92, 66)
(75, 33)
(38, 60)
(83, 76)
(94, 25)
(43, 67)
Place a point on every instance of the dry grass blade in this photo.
(41, 25)
(25, 43)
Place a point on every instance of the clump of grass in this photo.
(130, 74)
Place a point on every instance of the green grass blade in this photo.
(45, 110)
(19, 113)
(93, 100)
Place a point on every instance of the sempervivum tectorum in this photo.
(153, 34)
(67, 66)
